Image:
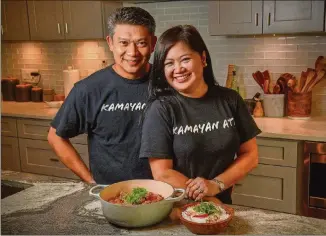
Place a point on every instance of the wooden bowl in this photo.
(206, 228)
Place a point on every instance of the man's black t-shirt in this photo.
(107, 107)
(201, 135)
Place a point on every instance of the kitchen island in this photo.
(52, 205)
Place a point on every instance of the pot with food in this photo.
(137, 203)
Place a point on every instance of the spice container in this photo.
(23, 92)
(8, 87)
(48, 95)
(36, 94)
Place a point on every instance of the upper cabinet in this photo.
(46, 20)
(293, 16)
(82, 19)
(14, 20)
(235, 17)
(108, 8)
(54, 20)
(265, 17)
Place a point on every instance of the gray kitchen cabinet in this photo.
(46, 20)
(235, 17)
(268, 187)
(54, 20)
(82, 19)
(38, 157)
(293, 16)
(38, 129)
(14, 20)
(10, 154)
(279, 152)
(8, 127)
(108, 7)
(24, 147)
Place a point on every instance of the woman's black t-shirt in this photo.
(201, 135)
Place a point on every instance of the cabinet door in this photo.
(10, 154)
(293, 16)
(108, 8)
(8, 127)
(38, 157)
(83, 19)
(46, 20)
(14, 20)
(268, 187)
(279, 152)
(235, 17)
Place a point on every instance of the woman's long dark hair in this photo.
(188, 34)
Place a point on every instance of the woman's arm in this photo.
(247, 160)
(162, 170)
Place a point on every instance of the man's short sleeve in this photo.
(71, 119)
(246, 125)
(157, 136)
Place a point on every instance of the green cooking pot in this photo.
(137, 215)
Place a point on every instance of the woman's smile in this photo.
(182, 78)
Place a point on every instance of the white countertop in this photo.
(283, 128)
(36, 110)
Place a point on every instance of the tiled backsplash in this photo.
(277, 54)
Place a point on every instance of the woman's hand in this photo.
(199, 187)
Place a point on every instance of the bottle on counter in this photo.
(235, 82)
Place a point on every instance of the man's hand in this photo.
(199, 187)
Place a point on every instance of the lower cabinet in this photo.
(10, 154)
(38, 157)
(268, 187)
(24, 147)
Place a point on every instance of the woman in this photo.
(192, 128)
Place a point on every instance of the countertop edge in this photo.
(292, 137)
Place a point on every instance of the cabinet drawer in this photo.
(268, 187)
(10, 154)
(38, 157)
(8, 127)
(38, 129)
(33, 129)
(278, 152)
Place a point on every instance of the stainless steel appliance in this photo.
(314, 180)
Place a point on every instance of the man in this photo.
(108, 104)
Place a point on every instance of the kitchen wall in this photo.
(275, 53)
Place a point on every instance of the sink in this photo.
(9, 188)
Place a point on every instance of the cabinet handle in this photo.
(269, 19)
(59, 31)
(54, 160)
(1, 30)
(256, 19)
(66, 28)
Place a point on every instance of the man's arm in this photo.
(69, 156)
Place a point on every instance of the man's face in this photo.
(131, 46)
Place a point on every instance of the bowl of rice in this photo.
(206, 217)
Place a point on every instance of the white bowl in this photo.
(54, 104)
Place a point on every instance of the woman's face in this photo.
(183, 69)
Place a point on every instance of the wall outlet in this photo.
(26, 76)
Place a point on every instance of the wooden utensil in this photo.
(319, 64)
(302, 80)
(311, 75)
(266, 86)
(320, 75)
(257, 80)
(276, 89)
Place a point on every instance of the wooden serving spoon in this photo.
(320, 75)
